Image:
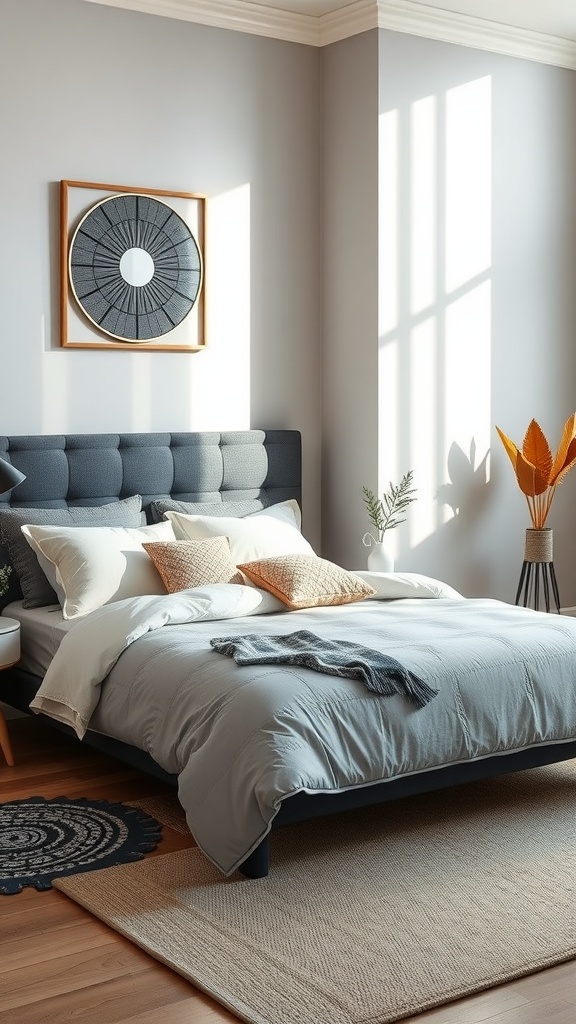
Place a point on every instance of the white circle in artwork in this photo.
(137, 267)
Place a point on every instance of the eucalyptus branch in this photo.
(387, 512)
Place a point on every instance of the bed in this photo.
(252, 747)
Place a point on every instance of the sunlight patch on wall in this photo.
(468, 181)
(220, 375)
(435, 214)
(467, 408)
(423, 429)
(423, 204)
(388, 302)
(388, 416)
(388, 216)
(468, 340)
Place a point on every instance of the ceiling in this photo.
(543, 30)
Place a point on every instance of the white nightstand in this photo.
(9, 655)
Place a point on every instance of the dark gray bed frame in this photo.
(93, 469)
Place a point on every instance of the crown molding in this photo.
(433, 23)
(238, 16)
(408, 16)
(348, 21)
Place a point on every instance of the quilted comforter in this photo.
(243, 738)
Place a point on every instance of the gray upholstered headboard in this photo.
(93, 469)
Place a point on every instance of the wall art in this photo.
(132, 268)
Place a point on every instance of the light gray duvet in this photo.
(243, 738)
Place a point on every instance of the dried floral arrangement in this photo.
(538, 473)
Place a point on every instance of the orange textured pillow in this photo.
(305, 581)
(193, 563)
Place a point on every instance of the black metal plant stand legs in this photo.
(530, 581)
(538, 563)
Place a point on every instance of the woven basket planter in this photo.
(539, 545)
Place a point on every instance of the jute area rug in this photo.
(369, 916)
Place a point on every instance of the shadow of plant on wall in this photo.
(467, 491)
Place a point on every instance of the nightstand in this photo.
(9, 655)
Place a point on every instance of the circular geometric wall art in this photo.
(135, 267)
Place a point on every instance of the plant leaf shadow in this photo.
(467, 491)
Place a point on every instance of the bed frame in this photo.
(94, 469)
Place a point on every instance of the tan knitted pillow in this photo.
(305, 581)
(193, 563)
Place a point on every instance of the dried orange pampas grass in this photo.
(537, 473)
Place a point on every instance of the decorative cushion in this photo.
(273, 531)
(97, 565)
(193, 563)
(305, 581)
(235, 509)
(36, 589)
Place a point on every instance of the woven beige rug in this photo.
(369, 916)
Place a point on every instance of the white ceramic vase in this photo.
(379, 559)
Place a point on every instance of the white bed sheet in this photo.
(41, 633)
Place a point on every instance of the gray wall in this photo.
(475, 310)
(350, 290)
(95, 94)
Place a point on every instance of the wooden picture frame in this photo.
(132, 268)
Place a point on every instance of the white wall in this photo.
(91, 93)
(475, 310)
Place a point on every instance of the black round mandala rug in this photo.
(45, 839)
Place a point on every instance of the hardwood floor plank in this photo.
(17, 903)
(78, 970)
(100, 787)
(36, 918)
(482, 1007)
(547, 984)
(25, 951)
(113, 1001)
(196, 1010)
(542, 1011)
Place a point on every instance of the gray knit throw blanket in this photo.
(378, 672)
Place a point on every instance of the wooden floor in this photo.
(59, 964)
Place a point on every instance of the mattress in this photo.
(41, 633)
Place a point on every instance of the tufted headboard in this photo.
(93, 469)
(65, 470)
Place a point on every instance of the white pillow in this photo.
(273, 531)
(92, 566)
(393, 585)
